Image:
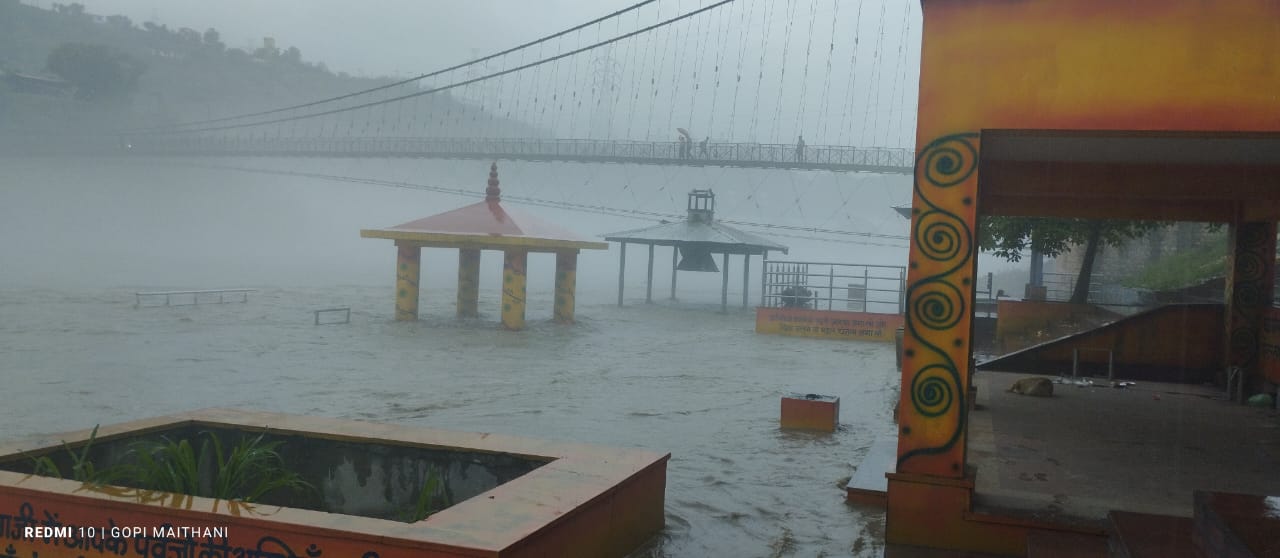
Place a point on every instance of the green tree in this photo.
(99, 72)
(1009, 237)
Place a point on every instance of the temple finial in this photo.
(493, 193)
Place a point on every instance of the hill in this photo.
(182, 75)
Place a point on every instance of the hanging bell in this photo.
(697, 258)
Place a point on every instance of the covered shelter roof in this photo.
(700, 228)
(486, 225)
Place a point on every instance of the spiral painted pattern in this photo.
(933, 390)
(1248, 266)
(947, 161)
(1247, 295)
(941, 236)
(1244, 346)
(1252, 235)
(937, 305)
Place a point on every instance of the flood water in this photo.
(672, 377)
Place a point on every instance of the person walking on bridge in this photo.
(702, 148)
(800, 149)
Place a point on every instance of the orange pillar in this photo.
(408, 270)
(513, 288)
(936, 345)
(1250, 277)
(468, 283)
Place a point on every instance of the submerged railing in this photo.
(189, 298)
(834, 286)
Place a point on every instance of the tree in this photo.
(99, 72)
(1008, 237)
(213, 39)
(120, 21)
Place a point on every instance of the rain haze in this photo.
(169, 190)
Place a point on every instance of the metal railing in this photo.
(816, 157)
(346, 318)
(834, 286)
(189, 298)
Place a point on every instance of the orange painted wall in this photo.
(828, 324)
(1099, 65)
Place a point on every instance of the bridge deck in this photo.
(744, 155)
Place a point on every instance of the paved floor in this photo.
(1087, 450)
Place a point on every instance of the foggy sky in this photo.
(779, 50)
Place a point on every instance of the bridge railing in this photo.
(665, 152)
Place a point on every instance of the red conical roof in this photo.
(485, 223)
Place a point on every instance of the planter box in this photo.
(811, 412)
(511, 496)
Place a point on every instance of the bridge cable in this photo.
(902, 112)
(719, 60)
(804, 80)
(826, 81)
(853, 78)
(782, 70)
(897, 81)
(764, 48)
(876, 71)
(616, 13)
(742, 48)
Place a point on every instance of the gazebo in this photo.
(486, 225)
(698, 239)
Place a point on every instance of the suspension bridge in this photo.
(672, 83)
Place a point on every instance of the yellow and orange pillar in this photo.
(468, 283)
(566, 283)
(513, 288)
(408, 270)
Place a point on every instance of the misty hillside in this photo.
(181, 75)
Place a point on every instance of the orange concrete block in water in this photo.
(811, 412)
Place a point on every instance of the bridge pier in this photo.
(408, 271)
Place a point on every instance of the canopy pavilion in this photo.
(698, 238)
(486, 225)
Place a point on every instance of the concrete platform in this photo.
(869, 485)
(1085, 451)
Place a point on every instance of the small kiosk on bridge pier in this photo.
(485, 226)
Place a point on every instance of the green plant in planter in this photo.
(82, 469)
(252, 469)
(422, 508)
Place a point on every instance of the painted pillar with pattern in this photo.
(468, 283)
(408, 270)
(1250, 277)
(939, 310)
(513, 287)
(566, 284)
